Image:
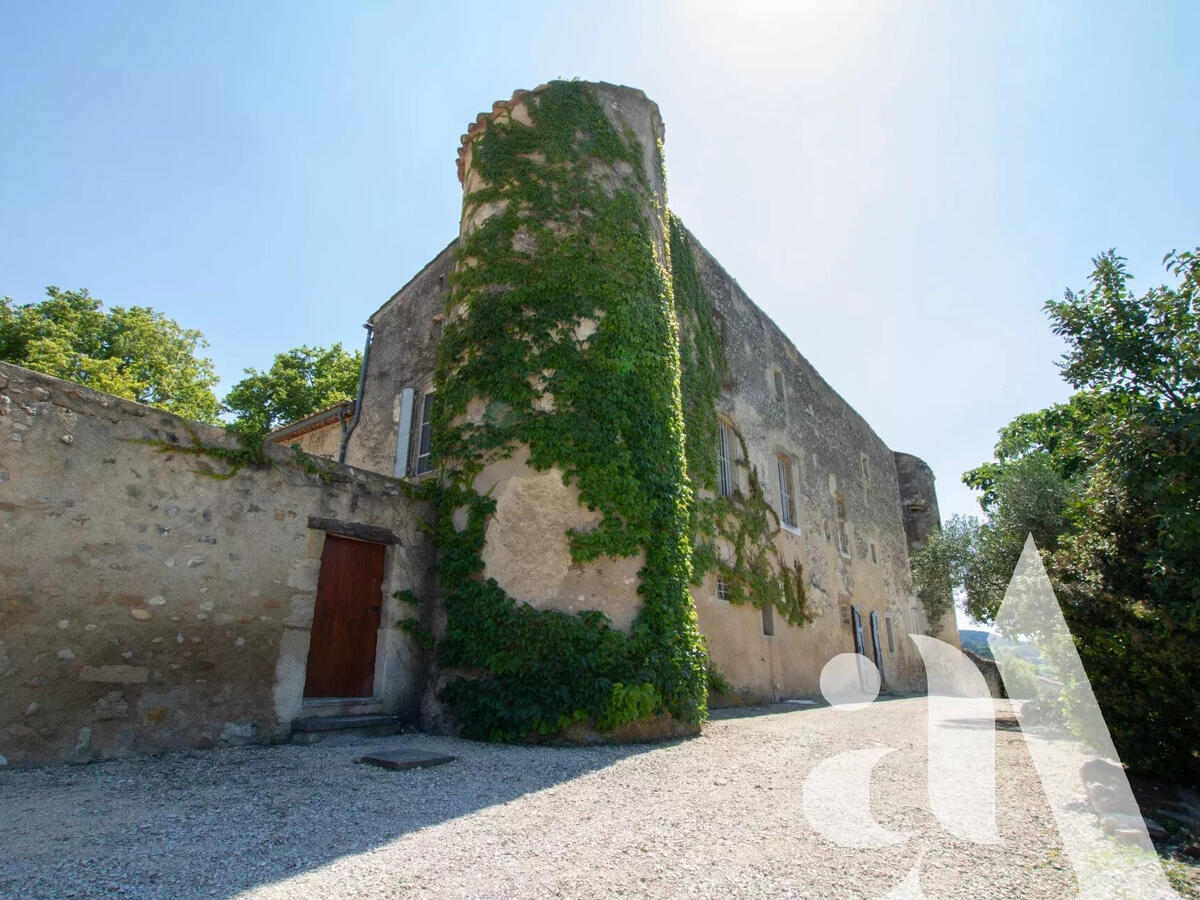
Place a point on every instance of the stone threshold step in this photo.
(344, 723)
(341, 706)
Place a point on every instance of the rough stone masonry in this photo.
(154, 594)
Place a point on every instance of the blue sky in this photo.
(901, 185)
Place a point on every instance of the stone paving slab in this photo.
(400, 760)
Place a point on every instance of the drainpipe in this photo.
(362, 378)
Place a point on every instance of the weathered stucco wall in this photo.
(153, 597)
(404, 343)
(324, 440)
(834, 453)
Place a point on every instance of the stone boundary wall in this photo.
(156, 595)
(990, 672)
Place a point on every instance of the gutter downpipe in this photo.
(362, 380)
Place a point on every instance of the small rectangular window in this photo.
(843, 536)
(425, 437)
(725, 440)
(722, 590)
(887, 626)
(778, 385)
(768, 620)
(787, 505)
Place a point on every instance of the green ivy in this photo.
(753, 570)
(568, 335)
(563, 337)
(412, 626)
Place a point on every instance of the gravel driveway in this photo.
(714, 816)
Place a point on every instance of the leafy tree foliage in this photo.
(1109, 485)
(133, 352)
(299, 383)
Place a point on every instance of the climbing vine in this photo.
(752, 568)
(562, 338)
(571, 334)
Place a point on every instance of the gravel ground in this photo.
(713, 816)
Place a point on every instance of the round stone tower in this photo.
(559, 421)
(545, 224)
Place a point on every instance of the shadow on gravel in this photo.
(216, 823)
(789, 706)
(1005, 723)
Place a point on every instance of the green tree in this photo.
(299, 383)
(1108, 483)
(133, 352)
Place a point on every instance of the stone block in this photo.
(399, 760)
(115, 674)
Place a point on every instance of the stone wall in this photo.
(889, 507)
(405, 335)
(155, 596)
(919, 507)
(834, 454)
(319, 434)
(990, 672)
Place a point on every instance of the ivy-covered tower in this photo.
(565, 529)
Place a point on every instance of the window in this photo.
(768, 620)
(787, 504)
(778, 385)
(725, 475)
(722, 590)
(887, 626)
(425, 437)
(843, 537)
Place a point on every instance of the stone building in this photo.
(850, 508)
(582, 464)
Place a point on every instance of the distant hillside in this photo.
(976, 642)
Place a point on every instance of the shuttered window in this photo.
(425, 437)
(787, 504)
(725, 441)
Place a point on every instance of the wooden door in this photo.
(341, 653)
